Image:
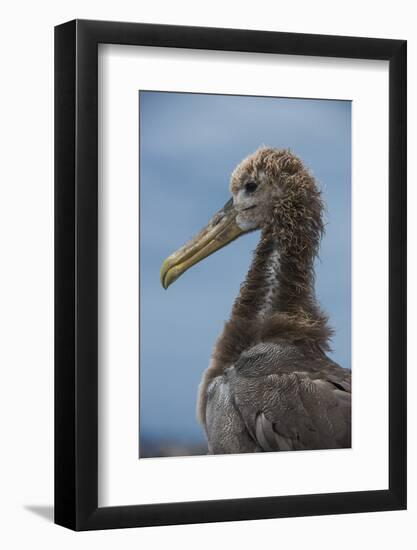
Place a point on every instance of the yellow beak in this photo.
(220, 231)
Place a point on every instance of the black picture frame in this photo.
(76, 272)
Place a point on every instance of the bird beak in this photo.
(220, 231)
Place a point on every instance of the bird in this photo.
(270, 384)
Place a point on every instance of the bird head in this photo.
(272, 191)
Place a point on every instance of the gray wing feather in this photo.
(225, 428)
(276, 399)
(267, 438)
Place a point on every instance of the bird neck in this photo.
(276, 303)
(278, 281)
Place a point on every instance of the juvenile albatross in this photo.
(270, 385)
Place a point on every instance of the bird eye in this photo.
(251, 186)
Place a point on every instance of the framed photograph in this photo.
(230, 252)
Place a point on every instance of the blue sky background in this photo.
(189, 145)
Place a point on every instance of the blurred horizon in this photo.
(189, 145)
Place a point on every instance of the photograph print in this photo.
(245, 274)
